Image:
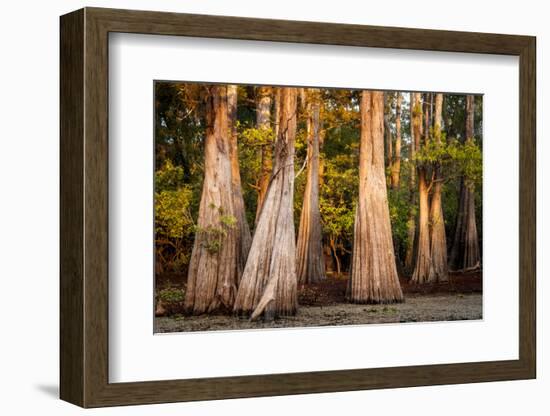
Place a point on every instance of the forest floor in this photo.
(324, 304)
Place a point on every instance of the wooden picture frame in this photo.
(84, 207)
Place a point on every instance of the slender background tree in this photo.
(309, 252)
(244, 238)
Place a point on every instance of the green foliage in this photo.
(399, 207)
(229, 221)
(172, 300)
(215, 234)
(458, 159)
(171, 295)
(172, 203)
(253, 136)
(340, 186)
(174, 226)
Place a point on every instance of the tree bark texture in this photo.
(213, 270)
(438, 238)
(310, 265)
(465, 254)
(269, 286)
(263, 123)
(396, 165)
(388, 96)
(423, 269)
(374, 276)
(244, 239)
(416, 131)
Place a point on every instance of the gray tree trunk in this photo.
(269, 286)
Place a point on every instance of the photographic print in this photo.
(279, 207)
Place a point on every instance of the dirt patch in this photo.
(416, 308)
(333, 290)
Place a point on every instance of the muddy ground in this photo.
(324, 304)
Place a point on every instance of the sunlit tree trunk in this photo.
(416, 127)
(244, 239)
(396, 165)
(310, 265)
(437, 222)
(263, 123)
(423, 269)
(465, 253)
(374, 275)
(387, 132)
(269, 286)
(213, 271)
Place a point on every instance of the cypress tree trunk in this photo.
(310, 265)
(423, 270)
(263, 115)
(213, 272)
(396, 165)
(244, 239)
(416, 124)
(374, 275)
(268, 285)
(465, 254)
(387, 133)
(438, 237)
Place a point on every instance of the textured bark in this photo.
(438, 239)
(268, 285)
(387, 133)
(416, 131)
(310, 267)
(244, 239)
(213, 272)
(396, 164)
(423, 269)
(465, 254)
(374, 275)
(263, 123)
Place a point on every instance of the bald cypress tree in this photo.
(438, 239)
(374, 276)
(213, 268)
(309, 251)
(423, 269)
(465, 253)
(244, 239)
(269, 285)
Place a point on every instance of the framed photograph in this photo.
(255, 207)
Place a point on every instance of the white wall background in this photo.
(29, 159)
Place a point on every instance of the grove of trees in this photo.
(262, 190)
